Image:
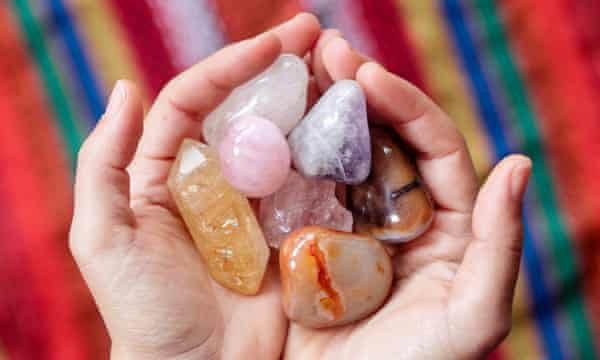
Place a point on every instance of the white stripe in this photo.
(190, 28)
(345, 16)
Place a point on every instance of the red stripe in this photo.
(496, 354)
(585, 15)
(146, 39)
(383, 20)
(37, 191)
(243, 19)
(24, 328)
(569, 101)
(38, 239)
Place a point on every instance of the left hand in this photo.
(455, 284)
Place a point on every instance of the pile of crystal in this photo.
(327, 191)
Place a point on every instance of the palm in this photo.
(206, 318)
(413, 324)
(181, 302)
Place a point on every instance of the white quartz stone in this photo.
(278, 94)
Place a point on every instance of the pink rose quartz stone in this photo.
(302, 202)
(255, 157)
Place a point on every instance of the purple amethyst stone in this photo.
(332, 141)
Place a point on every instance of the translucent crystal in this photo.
(301, 202)
(219, 218)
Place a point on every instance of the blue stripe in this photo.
(543, 302)
(80, 64)
(493, 122)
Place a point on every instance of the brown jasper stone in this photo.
(332, 278)
(392, 205)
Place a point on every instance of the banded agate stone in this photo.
(392, 205)
(278, 94)
(219, 219)
(332, 278)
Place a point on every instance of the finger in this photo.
(486, 279)
(442, 155)
(102, 183)
(318, 66)
(192, 95)
(341, 61)
(189, 97)
(299, 34)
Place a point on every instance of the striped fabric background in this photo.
(516, 75)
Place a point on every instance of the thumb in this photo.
(484, 285)
(102, 182)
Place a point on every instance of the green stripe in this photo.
(72, 134)
(560, 244)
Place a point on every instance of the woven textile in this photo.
(515, 75)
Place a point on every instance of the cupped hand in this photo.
(454, 288)
(455, 284)
(132, 248)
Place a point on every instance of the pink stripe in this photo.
(147, 41)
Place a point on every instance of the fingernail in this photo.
(116, 99)
(520, 177)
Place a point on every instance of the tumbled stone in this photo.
(255, 157)
(219, 218)
(301, 202)
(392, 205)
(332, 278)
(278, 94)
(332, 141)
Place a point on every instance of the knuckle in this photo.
(86, 151)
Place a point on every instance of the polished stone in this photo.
(301, 202)
(255, 157)
(278, 94)
(219, 219)
(332, 278)
(392, 205)
(332, 141)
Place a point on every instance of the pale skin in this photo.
(455, 285)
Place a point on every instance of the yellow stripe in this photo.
(443, 76)
(522, 343)
(109, 49)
